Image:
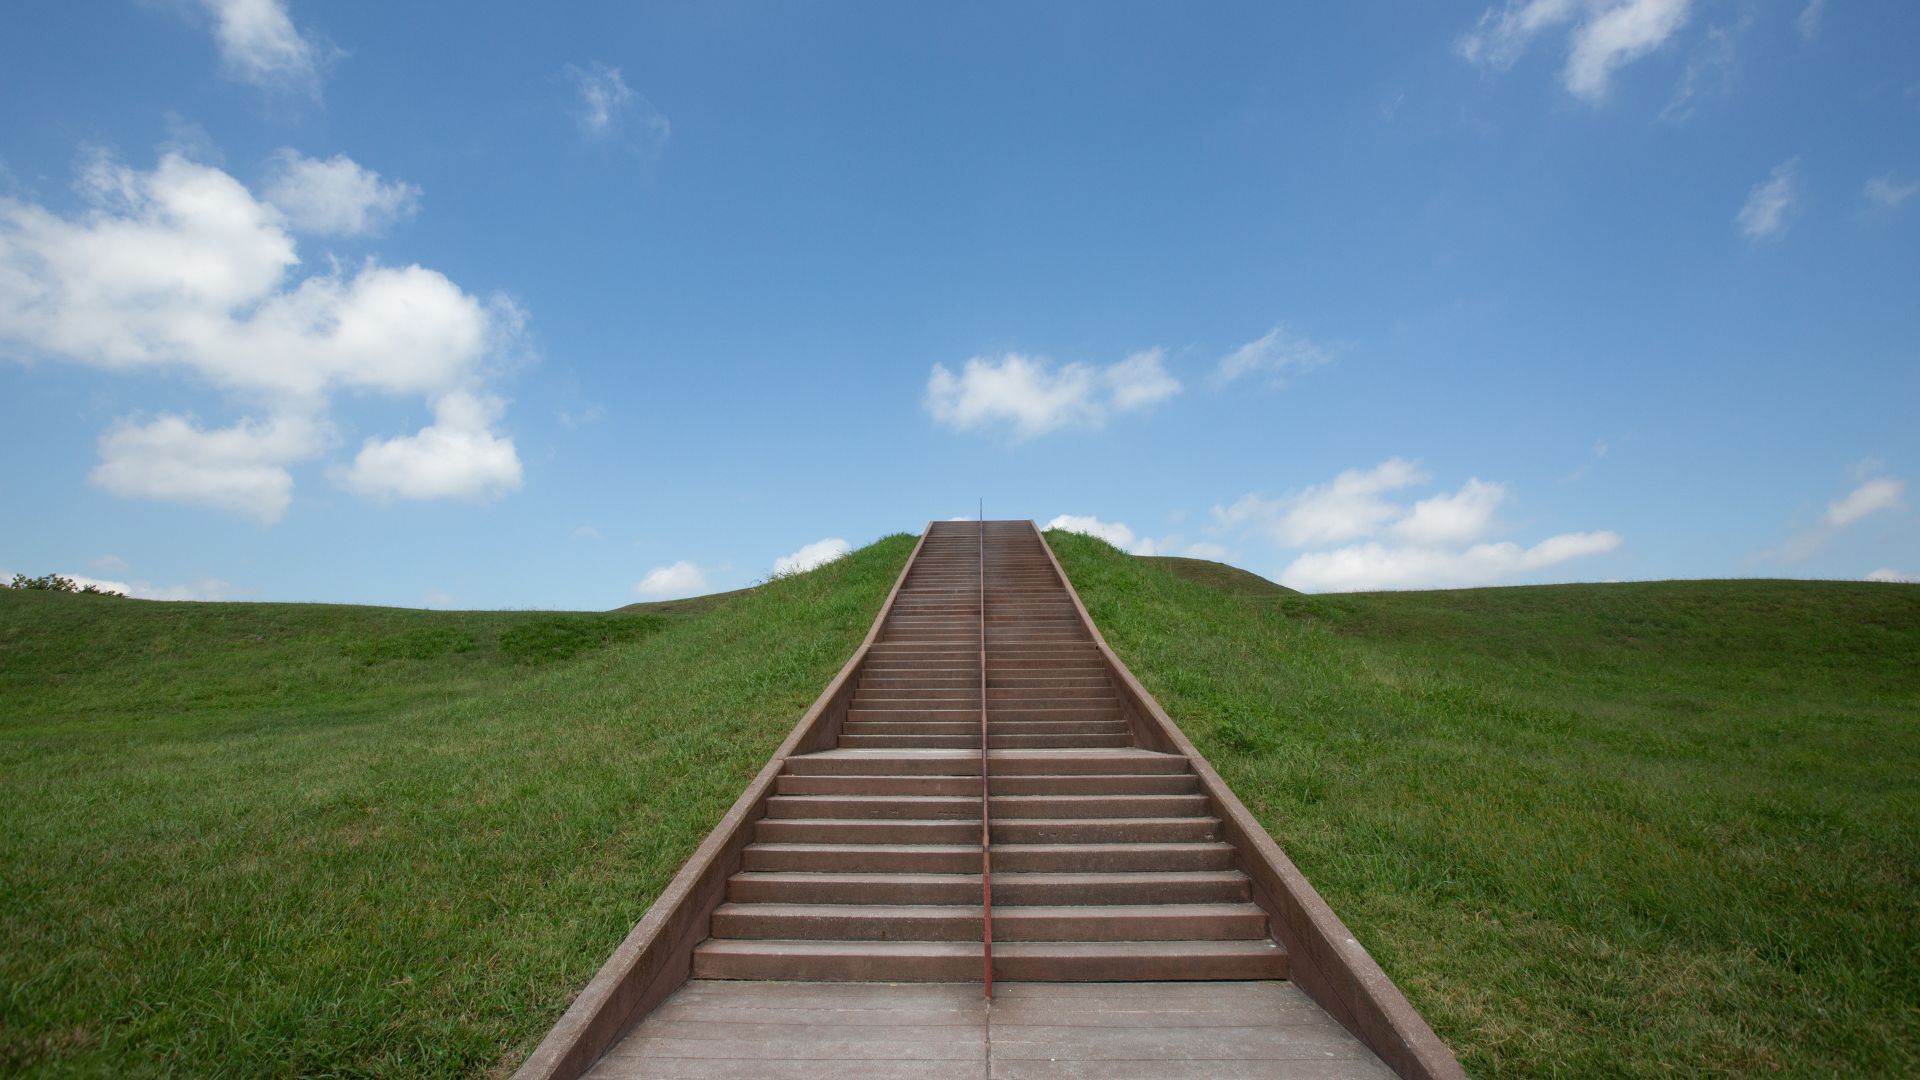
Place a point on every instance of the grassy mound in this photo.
(1611, 830)
(273, 839)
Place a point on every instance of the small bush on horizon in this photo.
(59, 583)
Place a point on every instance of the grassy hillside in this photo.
(1663, 829)
(270, 839)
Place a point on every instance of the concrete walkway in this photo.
(848, 1031)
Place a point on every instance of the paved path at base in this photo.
(850, 1031)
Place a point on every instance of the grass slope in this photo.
(1662, 829)
(270, 839)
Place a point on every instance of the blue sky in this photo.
(472, 305)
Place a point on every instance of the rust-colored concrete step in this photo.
(1098, 806)
(1103, 830)
(901, 713)
(1122, 887)
(1090, 784)
(863, 858)
(1018, 742)
(838, 961)
(867, 831)
(962, 922)
(1112, 858)
(890, 763)
(890, 681)
(1069, 761)
(912, 727)
(1010, 711)
(1055, 727)
(910, 742)
(875, 806)
(780, 887)
(1137, 961)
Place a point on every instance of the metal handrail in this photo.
(986, 826)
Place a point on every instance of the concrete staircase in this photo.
(1108, 861)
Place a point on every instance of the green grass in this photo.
(273, 839)
(1659, 829)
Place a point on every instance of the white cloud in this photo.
(1709, 69)
(183, 269)
(1603, 36)
(457, 457)
(240, 469)
(1034, 398)
(203, 589)
(1353, 505)
(338, 196)
(1882, 493)
(818, 553)
(1438, 541)
(1888, 193)
(437, 598)
(609, 107)
(1770, 203)
(1464, 516)
(1808, 22)
(1888, 574)
(1277, 352)
(1871, 495)
(110, 563)
(672, 582)
(1378, 566)
(1120, 535)
(260, 45)
(1113, 532)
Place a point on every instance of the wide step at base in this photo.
(1031, 961)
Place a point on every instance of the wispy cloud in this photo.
(1808, 21)
(1889, 574)
(1602, 36)
(1771, 203)
(1871, 494)
(1709, 70)
(1032, 397)
(1277, 353)
(609, 109)
(1887, 193)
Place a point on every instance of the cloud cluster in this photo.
(1438, 541)
(1603, 36)
(818, 553)
(182, 269)
(1033, 397)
